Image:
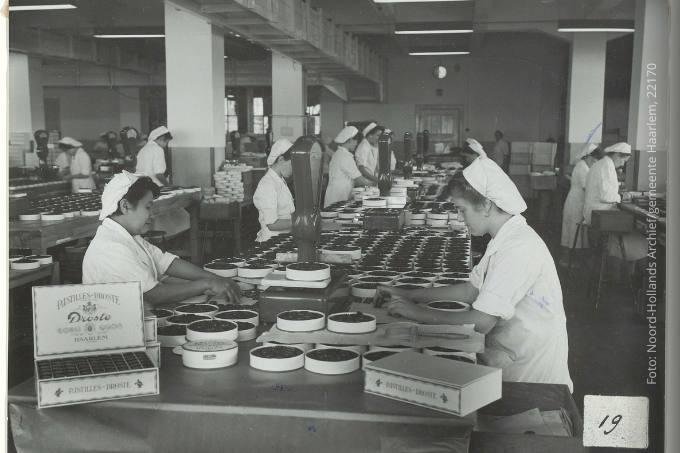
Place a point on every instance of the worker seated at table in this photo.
(272, 198)
(119, 254)
(602, 193)
(514, 291)
(343, 173)
(366, 154)
(80, 165)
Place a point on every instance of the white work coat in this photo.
(366, 155)
(518, 282)
(342, 172)
(81, 165)
(273, 200)
(114, 255)
(63, 161)
(572, 213)
(151, 161)
(602, 193)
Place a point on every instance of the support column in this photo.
(194, 61)
(332, 115)
(586, 91)
(648, 113)
(26, 105)
(289, 97)
(130, 106)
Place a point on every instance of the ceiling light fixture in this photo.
(42, 7)
(129, 36)
(439, 52)
(602, 26)
(417, 1)
(432, 28)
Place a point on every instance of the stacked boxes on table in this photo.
(229, 183)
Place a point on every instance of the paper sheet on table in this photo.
(381, 315)
(473, 343)
(533, 421)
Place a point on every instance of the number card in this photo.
(616, 421)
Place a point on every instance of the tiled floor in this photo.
(607, 348)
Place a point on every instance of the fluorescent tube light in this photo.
(128, 36)
(417, 1)
(431, 32)
(585, 30)
(596, 26)
(42, 7)
(438, 53)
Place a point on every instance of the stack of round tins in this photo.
(209, 354)
(246, 331)
(42, 259)
(277, 358)
(358, 348)
(353, 251)
(364, 290)
(197, 309)
(300, 320)
(29, 216)
(351, 322)
(162, 315)
(332, 361)
(24, 264)
(448, 305)
(377, 202)
(222, 269)
(372, 356)
(308, 272)
(52, 216)
(185, 319)
(250, 316)
(254, 271)
(347, 214)
(212, 329)
(172, 335)
(329, 214)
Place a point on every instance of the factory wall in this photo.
(495, 87)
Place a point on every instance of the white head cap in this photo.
(487, 178)
(68, 141)
(114, 191)
(621, 147)
(369, 128)
(160, 130)
(476, 146)
(345, 134)
(279, 148)
(589, 148)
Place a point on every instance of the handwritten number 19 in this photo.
(615, 421)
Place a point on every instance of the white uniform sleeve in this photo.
(362, 154)
(162, 259)
(610, 185)
(509, 276)
(265, 200)
(580, 175)
(116, 263)
(158, 163)
(81, 164)
(350, 169)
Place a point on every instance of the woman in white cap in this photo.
(366, 154)
(514, 291)
(343, 174)
(602, 193)
(118, 253)
(272, 198)
(151, 158)
(80, 167)
(572, 213)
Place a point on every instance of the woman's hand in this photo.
(387, 293)
(222, 286)
(404, 309)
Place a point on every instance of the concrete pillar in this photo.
(648, 112)
(26, 110)
(586, 90)
(129, 100)
(194, 61)
(289, 97)
(332, 115)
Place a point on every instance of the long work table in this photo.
(243, 409)
(40, 235)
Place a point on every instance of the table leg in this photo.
(236, 224)
(56, 277)
(193, 234)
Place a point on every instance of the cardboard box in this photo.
(438, 383)
(516, 169)
(89, 344)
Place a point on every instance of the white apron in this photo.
(273, 200)
(342, 172)
(572, 214)
(81, 165)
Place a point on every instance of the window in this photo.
(260, 120)
(314, 119)
(230, 116)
